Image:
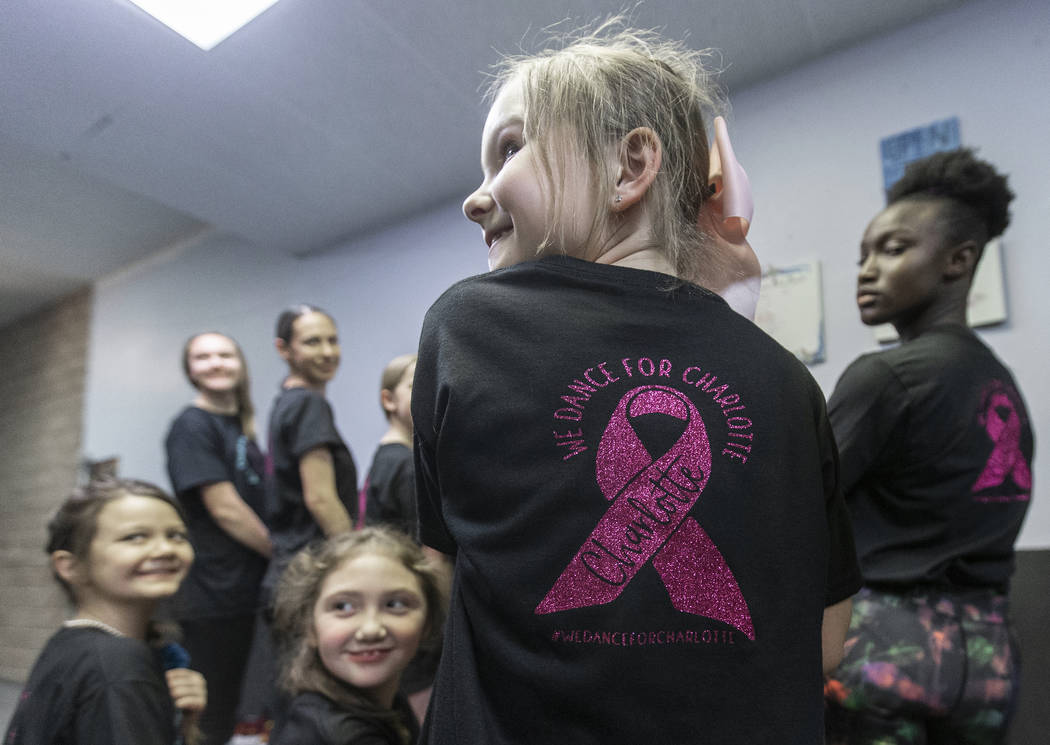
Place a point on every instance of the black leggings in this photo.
(219, 650)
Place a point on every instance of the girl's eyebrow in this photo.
(342, 594)
(508, 121)
(125, 527)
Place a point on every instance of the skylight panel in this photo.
(204, 22)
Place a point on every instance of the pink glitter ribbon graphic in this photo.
(648, 519)
(1002, 421)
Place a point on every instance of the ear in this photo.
(66, 566)
(386, 400)
(731, 207)
(282, 348)
(640, 157)
(961, 260)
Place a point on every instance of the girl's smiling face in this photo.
(515, 202)
(213, 363)
(369, 619)
(140, 552)
(313, 351)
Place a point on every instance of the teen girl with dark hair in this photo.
(314, 487)
(935, 456)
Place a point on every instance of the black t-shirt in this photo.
(300, 421)
(89, 687)
(936, 453)
(205, 448)
(313, 719)
(391, 489)
(640, 490)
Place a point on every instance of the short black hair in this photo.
(979, 193)
(286, 321)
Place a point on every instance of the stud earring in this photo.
(618, 199)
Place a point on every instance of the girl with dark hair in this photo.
(314, 485)
(350, 614)
(216, 471)
(118, 548)
(935, 458)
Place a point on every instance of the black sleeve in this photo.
(868, 405)
(433, 531)
(312, 425)
(844, 576)
(195, 453)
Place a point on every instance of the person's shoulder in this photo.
(539, 272)
(394, 452)
(190, 418)
(314, 718)
(295, 399)
(91, 651)
(937, 351)
(462, 292)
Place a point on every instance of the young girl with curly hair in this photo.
(350, 614)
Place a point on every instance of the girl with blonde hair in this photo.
(637, 485)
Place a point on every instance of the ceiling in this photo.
(320, 120)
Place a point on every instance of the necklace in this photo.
(91, 623)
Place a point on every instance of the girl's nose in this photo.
(371, 628)
(163, 546)
(478, 204)
(867, 267)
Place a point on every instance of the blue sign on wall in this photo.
(901, 149)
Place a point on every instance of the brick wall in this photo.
(42, 363)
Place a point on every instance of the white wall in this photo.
(810, 143)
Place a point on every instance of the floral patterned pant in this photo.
(927, 667)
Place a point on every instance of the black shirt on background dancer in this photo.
(300, 421)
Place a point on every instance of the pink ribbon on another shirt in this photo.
(1002, 421)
